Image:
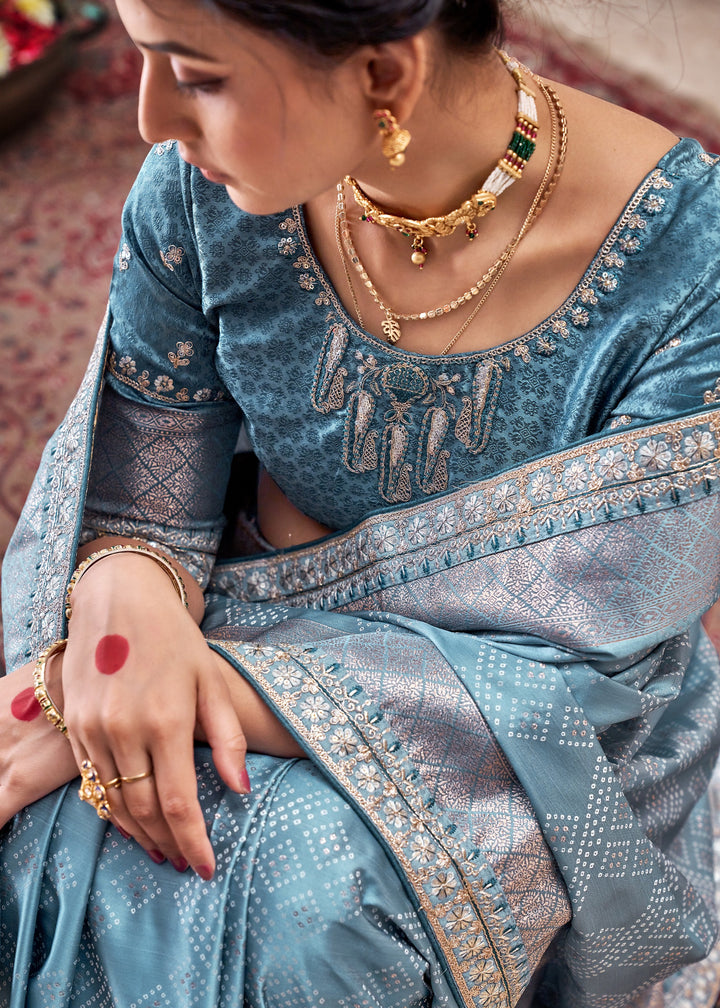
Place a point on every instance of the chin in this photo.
(255, 203)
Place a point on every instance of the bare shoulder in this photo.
(616, 139)
(610, 151)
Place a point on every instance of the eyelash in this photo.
(192, 89)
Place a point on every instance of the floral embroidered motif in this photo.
(699, 445)
(164, 147)
(172, 256)
(183, 355)
(125, 370)
(124, 257)
(287, 246)
(708, 159)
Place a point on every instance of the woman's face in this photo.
(247, 110)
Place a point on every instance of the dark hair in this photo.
(334, 28)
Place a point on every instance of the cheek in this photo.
(111, 654)
(24, 706)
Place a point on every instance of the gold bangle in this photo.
(124, 548)
(40, 689)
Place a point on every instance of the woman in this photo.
(481, 378)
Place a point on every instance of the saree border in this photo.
(66, 456)
(458, 895)
(627, 473)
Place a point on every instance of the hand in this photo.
(137, 679)
(34, 757)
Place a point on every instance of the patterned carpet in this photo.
(63, 179)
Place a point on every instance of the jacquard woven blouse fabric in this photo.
(495, 665)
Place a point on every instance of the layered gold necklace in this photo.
(485, 285)
(507, 171)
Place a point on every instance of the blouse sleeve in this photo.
(167, 426)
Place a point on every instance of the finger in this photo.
(151, 831)
(169, 801)
(224, 733)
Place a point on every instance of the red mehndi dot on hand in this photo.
(24, 706)
(111, 653)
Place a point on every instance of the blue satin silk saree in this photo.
(496, 666)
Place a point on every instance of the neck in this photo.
(458, 137)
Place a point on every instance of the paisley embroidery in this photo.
(386, 427)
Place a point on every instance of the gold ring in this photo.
(136, 777)
(92, 790)
(115, 782)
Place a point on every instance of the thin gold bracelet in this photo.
(40, 689)
(124, 548)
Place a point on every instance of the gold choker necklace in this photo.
(508, 170)
(391, 323)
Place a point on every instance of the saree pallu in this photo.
(512, 718)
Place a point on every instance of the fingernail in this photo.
(245, 781)
(123, 832)
(204, 871)
(179, 864)
(156, 856)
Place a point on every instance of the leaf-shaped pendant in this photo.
(391, 329)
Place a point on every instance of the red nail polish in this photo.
(156, 856)
(204, 871)
(122, 832)
(245, 781)
(179, 864)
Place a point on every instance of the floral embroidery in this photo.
(579, 316)
(545, 346)
(124, 257)
(654, 204)
(708, 159)
(629, 244)
(699, 445)
(127, 366)
(287, 246)
(164, 147)
(588, 296)
(183, 355)
(607, 281)
(172, 256)
(620, 421)
(560, 328)
(655, 455)
(307, 282)
(613, 465)
(164, 383)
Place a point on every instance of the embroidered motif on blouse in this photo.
(124, 257)
(172, 256)
(125, 370)
(401, 419)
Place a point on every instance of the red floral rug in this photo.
(63, 179)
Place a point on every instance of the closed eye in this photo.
(193, 89)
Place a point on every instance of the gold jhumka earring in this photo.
(394, 139)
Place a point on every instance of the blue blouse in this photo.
(216, 310)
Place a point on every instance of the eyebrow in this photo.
(177, 49)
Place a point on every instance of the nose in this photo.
(162, 112)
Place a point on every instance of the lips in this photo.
(212, 176)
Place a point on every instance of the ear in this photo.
(395, 74)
